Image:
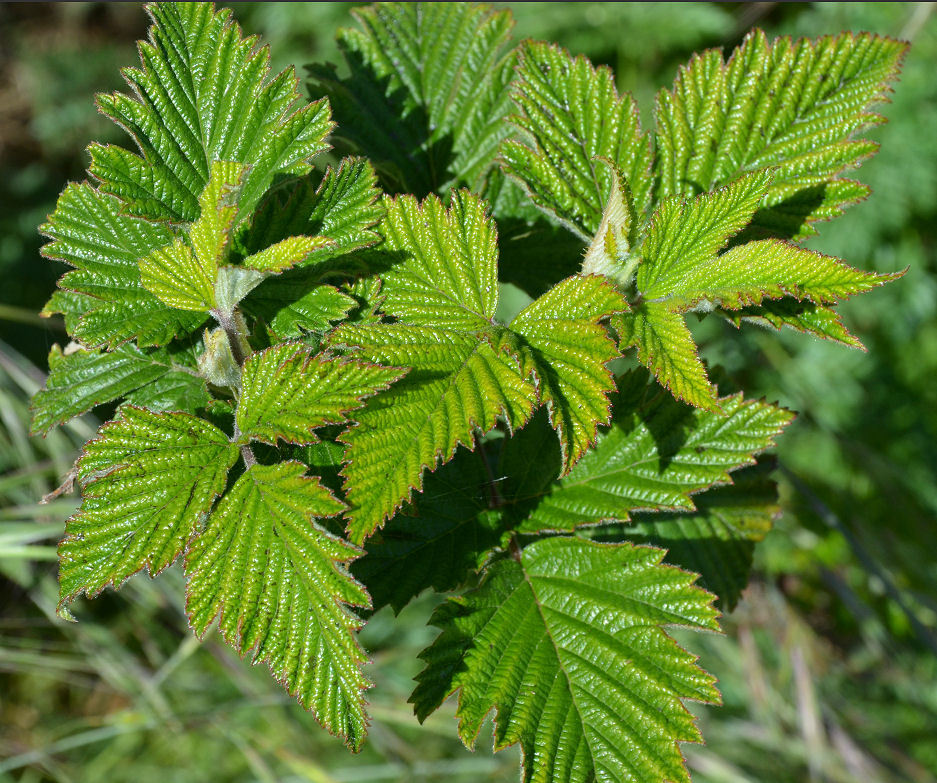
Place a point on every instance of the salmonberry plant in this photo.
(323, 410)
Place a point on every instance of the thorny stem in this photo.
(514, 547)
(494, 497)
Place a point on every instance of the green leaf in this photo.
(286, 392)
(718, 540)
(438, 540)
(568, 350)
(567, 644)
(794, 106)
(657, 453)
(202, 95)
(89, 232)
(79, 380)
(427, 93)
(443, 291)
(342, 209)
(184, 276)
(683, 269)
(802, 315)
(147, 482)
(342, 206)
(458, 385)
(666, 347)
(572, 115)
(448, 270)
(277, 582)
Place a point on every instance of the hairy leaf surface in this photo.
(277, 582)
(567, 644)
(147, 482)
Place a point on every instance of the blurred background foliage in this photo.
(828, 668)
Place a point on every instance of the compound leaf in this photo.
(147, 481)
(427, 93)
(287, 392)
(572, 116)
(683, 269)
(794, 106)
(278, 584)
(202, 95)
(443, 291)
(657, 453)
(343, 210)
(89, 232)
(79, 380)
(567, 643)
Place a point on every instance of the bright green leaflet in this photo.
(567, 644)
(147, 481)
(278, 584)
(203, 94)
(683, 269)
(286, 392)
(81, 379)
(572, 115)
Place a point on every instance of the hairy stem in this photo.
(240, 349)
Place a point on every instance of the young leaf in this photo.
(567, 644)
(203, 95)
(572, 115)
(79, 380)
(286, 392)
(147, 481)
(184, 276)
(89, 232)
(277, 582)
(567, 350)
(443, 292)
(341, 208)
(794, 106)
(427, 93)
(444, 535)
(656, 454)
(682, 269)
(718, 539)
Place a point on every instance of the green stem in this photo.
(240, 350)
